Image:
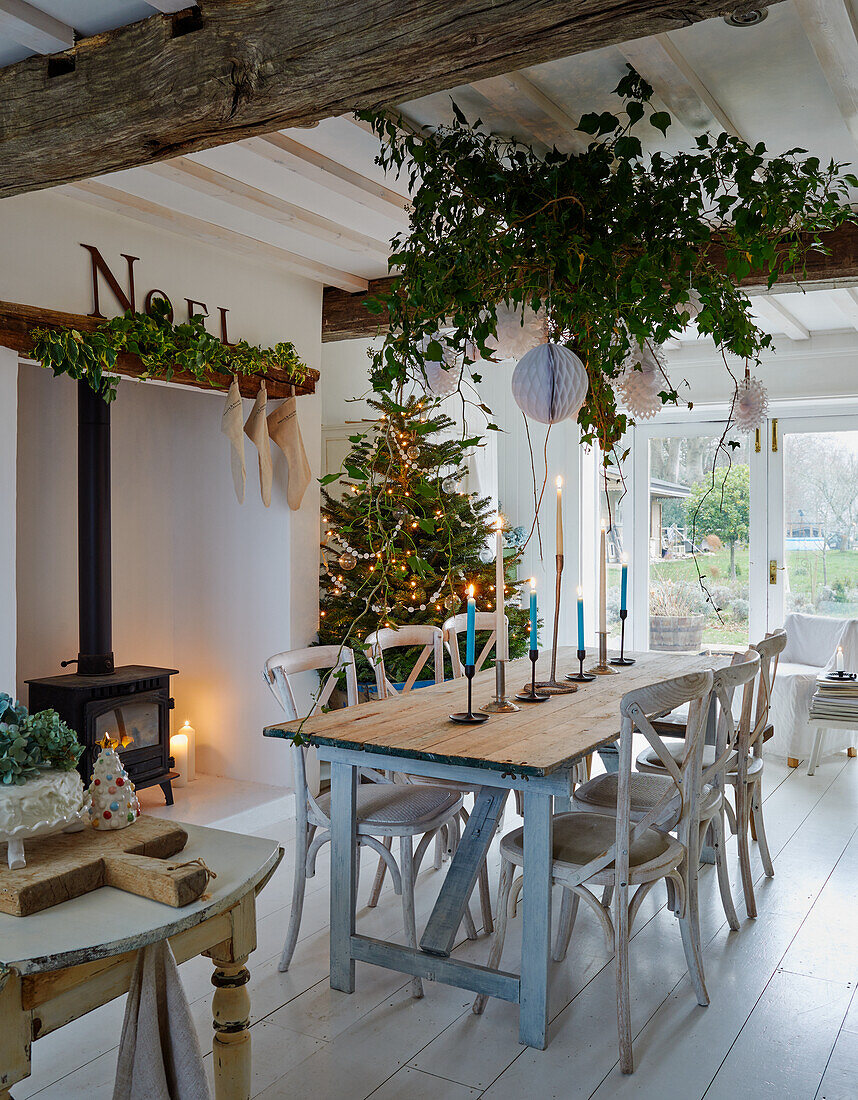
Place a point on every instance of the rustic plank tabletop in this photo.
(537, 740)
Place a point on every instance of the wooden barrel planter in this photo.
(676, 632)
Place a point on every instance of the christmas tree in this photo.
(404, 542)
(114, 802)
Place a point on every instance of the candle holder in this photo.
(501, 704)
(581, 677)
(470, 715)
(621, 660)
(553, 686)
(529, 694)
(602, 668)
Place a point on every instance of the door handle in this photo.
(773, 571)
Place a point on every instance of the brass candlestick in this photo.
(603, 668)
(553, 686)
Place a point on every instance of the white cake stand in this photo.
(70, 823)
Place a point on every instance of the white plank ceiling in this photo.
(314, 202)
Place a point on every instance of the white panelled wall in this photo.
(200, 583)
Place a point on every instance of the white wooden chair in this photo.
(596, 850)
(457, 624)
(599, 795)
(744, 768)
(384, 809)
(431, 638)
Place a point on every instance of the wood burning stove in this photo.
(131, 701)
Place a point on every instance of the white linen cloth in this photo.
(812, 642)
(232, 428)
(285, 431)
(159, 1055)
(256, 430)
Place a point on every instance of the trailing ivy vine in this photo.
(163, 348)
(611, 244)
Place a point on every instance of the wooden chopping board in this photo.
(70, 864)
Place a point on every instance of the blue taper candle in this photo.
(624, 585)
(533, 639)
(580, 617)
(470, 639)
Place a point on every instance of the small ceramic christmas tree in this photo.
(113, 798)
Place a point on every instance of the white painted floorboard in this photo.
(783, 1022)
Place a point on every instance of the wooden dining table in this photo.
(533, 750)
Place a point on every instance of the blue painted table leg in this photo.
(536, 927)
(343, 875)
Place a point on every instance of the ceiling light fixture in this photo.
(746, 17)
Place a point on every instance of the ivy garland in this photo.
(611, 245)
(163, 348)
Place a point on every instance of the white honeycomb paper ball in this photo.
(751, 405)
(439, 379)
(549, 383)
(641, 382)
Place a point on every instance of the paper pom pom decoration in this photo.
(691, 307)
(441, 379)
(517, 334)
(641, 382)
(750, 405)
(549, 383)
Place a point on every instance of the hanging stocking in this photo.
(256, 430)
(285, 430)
(231, 427)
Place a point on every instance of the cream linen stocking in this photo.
(256, 430)
(231, 427)
(284, 429)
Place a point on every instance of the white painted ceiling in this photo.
(323, 207)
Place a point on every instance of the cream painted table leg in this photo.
(15, 1028)
(231, 1005)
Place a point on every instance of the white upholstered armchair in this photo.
(812, 642)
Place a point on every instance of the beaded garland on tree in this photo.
(113, 802)
(404, 541)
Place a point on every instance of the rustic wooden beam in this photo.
(345, 316)
(222, 71)
(18, 321)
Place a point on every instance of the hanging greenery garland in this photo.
(163, 348)
(615, 249)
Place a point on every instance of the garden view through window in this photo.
(821, 523)
(699, 527)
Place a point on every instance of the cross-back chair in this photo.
(457, 624)
(593, 850)
(384, 809)
(431, 638)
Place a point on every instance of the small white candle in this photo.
(603, 581)
(502, 644)
(839, 658)
(559, 484)
(179, 753)
(191, 734)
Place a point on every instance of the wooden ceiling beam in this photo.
(345, 316)
(174, 221)
(18, 321)
(775, 313)
(830, 26)
(172, 84)
(208, 181)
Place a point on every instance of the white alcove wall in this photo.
(200, 583)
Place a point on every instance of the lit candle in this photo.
(470, 639)
(534, 644)
(624, 583)
(179, 753)
(840, 658)
(502, 645)
(603, 582)
(191, 734)
(580, 617)
(559, 540)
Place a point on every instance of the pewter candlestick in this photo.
(553, 686)
(602, 668)
(501, 704)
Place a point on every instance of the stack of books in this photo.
(835, 698)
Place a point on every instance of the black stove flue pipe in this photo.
(93, 538)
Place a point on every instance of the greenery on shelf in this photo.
(162, 346)
(31, 743)
(404, 541)
(617, 248)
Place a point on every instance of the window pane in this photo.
(699, 520)
(821, 523)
